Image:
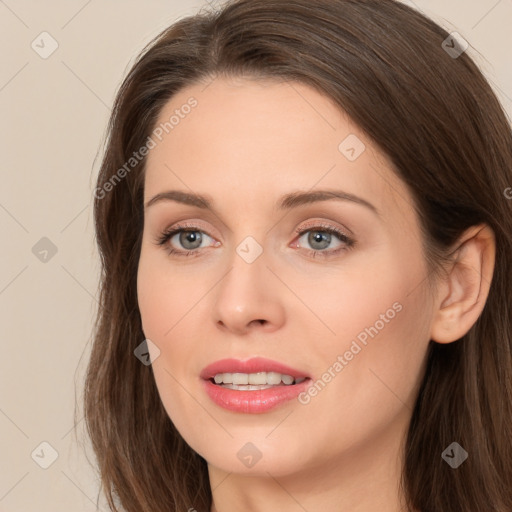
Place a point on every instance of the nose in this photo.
(248, 298)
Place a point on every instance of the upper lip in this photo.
(253, 365)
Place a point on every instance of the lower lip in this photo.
(256, 401)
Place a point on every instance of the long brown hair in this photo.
(449, 139)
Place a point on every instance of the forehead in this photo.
(243, 141)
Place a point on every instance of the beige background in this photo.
(54, 115)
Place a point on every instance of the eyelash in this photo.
(321, 228)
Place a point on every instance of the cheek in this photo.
(367, 295)
(160, 294)
(168, 301)
(152, 302)
(378, 318)
(161, 307)
(375, 382)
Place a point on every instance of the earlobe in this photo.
(462, 294)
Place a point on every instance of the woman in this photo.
(304, 228)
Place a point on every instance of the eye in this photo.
(184, 240)
(321, 237)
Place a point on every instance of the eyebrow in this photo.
(287, 202)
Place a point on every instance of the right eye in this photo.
(190, 238)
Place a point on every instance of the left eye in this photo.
(320, 238)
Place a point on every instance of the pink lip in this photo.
(257, 401)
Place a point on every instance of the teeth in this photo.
(287, 379)
(240, 378)
(260, 380)
(274, 378)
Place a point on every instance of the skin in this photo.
(246, 144)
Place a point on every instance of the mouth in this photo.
(252, 386)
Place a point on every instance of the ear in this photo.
(463, 292)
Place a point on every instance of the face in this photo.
(329, 289)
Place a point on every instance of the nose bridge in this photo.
(247, 273)
(246, 294)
